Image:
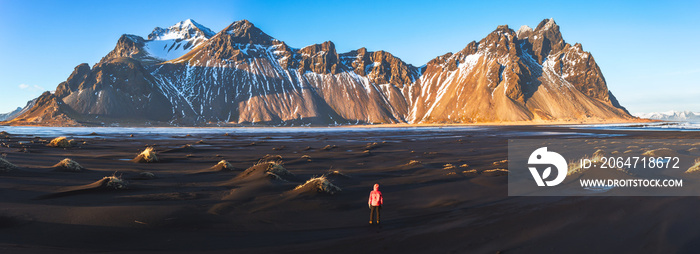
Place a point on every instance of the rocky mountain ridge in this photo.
(241, 75)
(11, 114)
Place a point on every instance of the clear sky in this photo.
(648, 50)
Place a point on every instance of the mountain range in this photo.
(187, 75)
(10, 115)
(681, 116)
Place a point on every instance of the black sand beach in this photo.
(187, 202)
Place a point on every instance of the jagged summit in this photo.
(244, 32)
(186, 29)
(547, 24)
(163, 44)
(239, 41)
(546, 39)
(534, 75)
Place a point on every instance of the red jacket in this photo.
(375, 197)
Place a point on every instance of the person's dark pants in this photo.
(374, 210)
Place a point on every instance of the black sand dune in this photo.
(187, 148)
(109, 183)
(221, 166)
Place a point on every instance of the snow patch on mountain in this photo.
(175, 41)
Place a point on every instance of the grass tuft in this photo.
(148, 155)
(62, 142)
(69, 165)
(321, 185)
(115, 182)
(695, 168)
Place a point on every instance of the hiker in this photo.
(375, 203)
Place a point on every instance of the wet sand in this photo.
(189, 205)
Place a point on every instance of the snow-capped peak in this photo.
(181, 30)
(176, 40)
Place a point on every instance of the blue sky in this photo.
(647, 50)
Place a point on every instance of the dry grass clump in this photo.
(695, 168)
(371, 146)
(329, 147)
(270, 157)
(147, 156)
(465, 165)
(599, 154)
(224, 165)
(114, 182)
(449, 166)
(471, 171)
(413, 163)
(501, 162)
(6, 166)
(276, 170)
(575, 166)
(320, 184)
(62, 142)
(69, 165)
(496, 170)
(661, 152)
(335, 173)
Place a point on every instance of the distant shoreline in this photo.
(382, 125)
